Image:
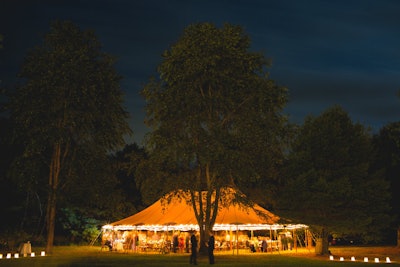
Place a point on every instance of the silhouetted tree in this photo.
(387, 159)
(215, 117)
(70, 99)
(327, 183)
(126, 163)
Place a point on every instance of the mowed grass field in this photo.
(93, 256)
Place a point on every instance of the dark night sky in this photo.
(324, 52)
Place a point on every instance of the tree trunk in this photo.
(206, 212)
(309, 239)
(398, 237)
(322, 244)
(51, 217)
(203, 240)
(205, 226)
(54, 175)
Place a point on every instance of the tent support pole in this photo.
(237, 240)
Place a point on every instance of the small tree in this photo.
(215, 117)
(70, 99)
(327, 183)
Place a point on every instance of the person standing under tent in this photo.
(187, 243)
(175, 243)
(211, 244)
(193, 255)
(264, 245)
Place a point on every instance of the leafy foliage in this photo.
(215, 117)
(126, 164)
(328, 183)
(69, 105)
(214, 106)
(387, 160)
(72, 92)
(80, 229)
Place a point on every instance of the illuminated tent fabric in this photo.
(178, 215)
(176, 212)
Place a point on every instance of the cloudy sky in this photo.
(326, 52)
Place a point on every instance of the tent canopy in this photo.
(177, 214)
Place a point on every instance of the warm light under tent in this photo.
(195, 227)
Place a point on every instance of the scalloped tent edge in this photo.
(177, 214)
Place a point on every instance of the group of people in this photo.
(194, 245)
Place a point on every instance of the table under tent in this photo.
(167, 224)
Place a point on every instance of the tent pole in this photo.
(94, 240)
(270, 237)
(237, 240)
(230, 240)
(295, 239)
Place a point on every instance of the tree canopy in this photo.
(214, 113)
(328, 183)
(386, 145)
(70, 101)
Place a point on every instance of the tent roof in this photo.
(179, 215)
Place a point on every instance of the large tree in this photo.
(328, 184)
(215, 117)
(70, 100)
(387, 158)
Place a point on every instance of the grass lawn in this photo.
(93, 256)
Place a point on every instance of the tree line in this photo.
(216, 120)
